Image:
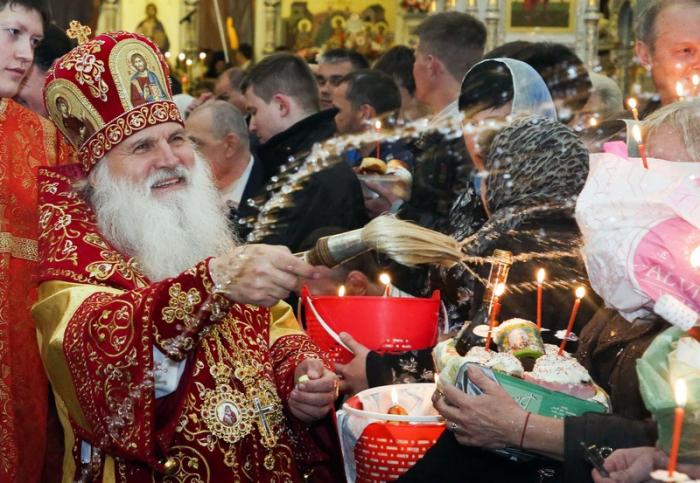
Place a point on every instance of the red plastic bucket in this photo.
(387, 449)
(383, 324)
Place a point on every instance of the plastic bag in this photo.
(673, 355)
(640, 227)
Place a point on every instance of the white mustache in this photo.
(168, 173)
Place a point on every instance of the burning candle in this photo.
(396, 408)
(593, 122)
(540, 279)
(341, 291)
(632, 104)
(681, 393)
(580, 292)
(377, 128)
(495, 309)
(637, 133)
(680, 91)
(386, 280)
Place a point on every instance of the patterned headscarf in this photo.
(536, 166)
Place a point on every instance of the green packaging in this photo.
(532, 397)
(657, 369)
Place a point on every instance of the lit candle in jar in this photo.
(385, 279)
(580, 293)
(540, 279)
(681, 393)
(632, 104)
(495, 309)
(341, 291)
(637, 133)
(396, 408)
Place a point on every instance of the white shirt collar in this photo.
(232, 195)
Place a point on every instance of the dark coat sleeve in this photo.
(332, 197)
(602, 430)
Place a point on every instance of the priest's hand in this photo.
(259, 274)
(353, 375)
(315, 392)
(490, 420)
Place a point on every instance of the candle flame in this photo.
(188, 62)
(182, 56)
(394, 397)
(637, 133)
(632, 103)
(695, 258)
(580, 292)
(681, 392)
(540, 275)
(202, 55)
(500, 288)
(385, 278)
(695, 79)
(593, 122)
(377, 124)
(341, 291)
(167, 54)
(680, 91)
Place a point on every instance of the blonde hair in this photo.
(682, 117)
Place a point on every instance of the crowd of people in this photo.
(147, 246)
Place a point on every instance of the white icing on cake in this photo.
(478, 355)
(553, 350)
(499, 361)
(505, 362)
(561, 370)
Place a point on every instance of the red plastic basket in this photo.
(386, 450)
(384, 324)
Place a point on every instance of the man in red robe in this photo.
(27, 141)
(170, 357)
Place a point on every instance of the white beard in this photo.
(165, 235)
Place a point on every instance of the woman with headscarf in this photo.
(443, 169)
(610, 345)
(491, 91)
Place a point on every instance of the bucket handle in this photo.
(445, 319)
(325, 326)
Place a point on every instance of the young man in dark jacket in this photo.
(282, 100)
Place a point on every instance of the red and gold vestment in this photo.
(99, 320)
(27, 141)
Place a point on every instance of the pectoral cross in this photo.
(79, 32)
(262, 412)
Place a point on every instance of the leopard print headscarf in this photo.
(536, 166)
